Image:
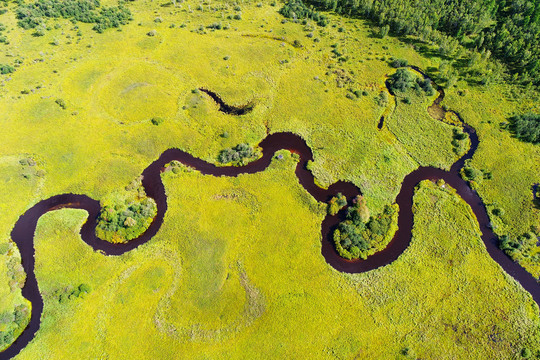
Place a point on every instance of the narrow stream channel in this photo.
(23, 231)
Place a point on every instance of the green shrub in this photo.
(61, 103)
(397, 63)
(237, 155)
(11, 324)
(521, 246)
(40, 31)
(126, 221)
(157, 120)
(296, 9)
(526, 353)
(526, 127)
(6, 69)
(126, 216)
(382, 99)
(471, 174)
(459, 135)
(215, 26)
(403, 80)
(32, 15)
(361, 235)
(337, 203)
(21, 314)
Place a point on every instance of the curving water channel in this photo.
(23, 231)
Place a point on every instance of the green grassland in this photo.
(222, 280)
(514, 164)
(427, 142)
(231, 270)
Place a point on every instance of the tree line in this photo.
(33, 15)
(507, 29)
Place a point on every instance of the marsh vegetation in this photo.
(84, 89)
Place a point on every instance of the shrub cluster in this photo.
(15, 271)
(458, 141)
(31, 16)
(12, 324)
(403, 80)
(519, 247)
(17, 276)
(127, 215)
(296, 9)
(6, 69)
(3, 38)
(177, 167)
(157, 120)
(360, 232)
(474, 175)
(336, 203)
(238, 155)
(78, 292)
(124, 222)
(526, 127)
(397, 63)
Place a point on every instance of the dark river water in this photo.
(23, 231)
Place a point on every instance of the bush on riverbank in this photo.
(12, 324)
(126, 215)
(459, 141)
(337, 203)
(238, 155)
(403, 80)
(361, 235)
(521, 246)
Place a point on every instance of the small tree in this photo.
(384, 31)
(362, 209)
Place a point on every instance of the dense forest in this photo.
(507, 29)
(33, 15)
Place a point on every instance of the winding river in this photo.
(23, 231)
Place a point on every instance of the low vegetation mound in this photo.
(361, 235)
(126, 215)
